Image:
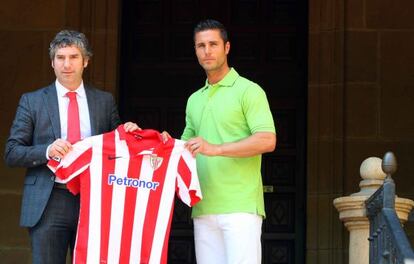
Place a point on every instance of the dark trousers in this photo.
(56, 231)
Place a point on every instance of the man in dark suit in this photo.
(40, 132)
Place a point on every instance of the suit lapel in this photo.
(51, 102)
(93, 109)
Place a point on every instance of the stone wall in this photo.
(26, 29)
(361, 101)
(360, 98)
(325, 235)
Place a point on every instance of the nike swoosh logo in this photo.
(114, 157)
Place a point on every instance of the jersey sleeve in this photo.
(74, 163)
(188, 186)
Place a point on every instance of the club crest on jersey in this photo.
(155, 161)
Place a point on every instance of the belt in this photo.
(60, 186)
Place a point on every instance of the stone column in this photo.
(353, 213)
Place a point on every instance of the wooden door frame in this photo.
(324, 135)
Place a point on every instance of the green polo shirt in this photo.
(228, 111)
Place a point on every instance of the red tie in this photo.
(73, 119)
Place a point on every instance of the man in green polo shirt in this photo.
(228, 126)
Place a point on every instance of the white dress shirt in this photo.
(63, 102)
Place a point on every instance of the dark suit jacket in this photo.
(34, 128)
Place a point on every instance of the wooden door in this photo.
(269, 46)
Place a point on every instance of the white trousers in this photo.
(228, 238)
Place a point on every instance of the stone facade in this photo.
(26, 28)
(360, 102)
(360, 98)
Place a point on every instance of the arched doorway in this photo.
(269, 46)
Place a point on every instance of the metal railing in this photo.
(388, 242)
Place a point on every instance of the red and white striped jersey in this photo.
(127, 183)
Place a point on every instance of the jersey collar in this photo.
(143, 142)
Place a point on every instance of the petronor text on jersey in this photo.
(130, 182)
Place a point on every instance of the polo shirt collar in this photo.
(228, 79)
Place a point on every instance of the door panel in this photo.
(268, 45)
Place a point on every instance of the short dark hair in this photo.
(211, 24)
(67, 38)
